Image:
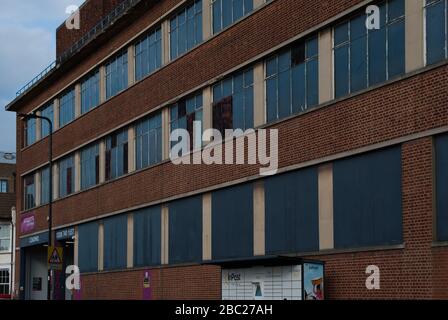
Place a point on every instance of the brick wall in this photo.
(7, 200)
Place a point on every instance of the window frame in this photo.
(67, 107)
(4, 186)
(90, 156)
(153, 124)
(90, 91)
(152, 63)
(29, 203)
(428, 4)
(116, 77)
(5, 275)
(6, 239)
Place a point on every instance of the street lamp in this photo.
(50, 201)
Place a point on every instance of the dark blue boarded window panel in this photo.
(232, 222)
(292, 218)
(341, 71)
(396, 49)
(367, 199)
(115, 242)
(147, 237)
(185, 230)
(377, 51)
(358, 54)
(435, 32)
(442, 187)
(88, 247)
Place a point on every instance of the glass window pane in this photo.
(377, 56)
(284, 94)
(217, 16)
(312, 74)
(341, 71)
(298, 88)
(396, 9)
(341, 33)
(271, 99)
(396, 57)
(435, 33)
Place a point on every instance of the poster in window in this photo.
(313, 281)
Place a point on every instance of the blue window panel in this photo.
(358, 54)
(396, 61)
(395, 9)
(342, 77)
(117, 74)
(271, 95)
(90, 166)
(238, 9)
(312, 84)
(441, 147)
(147, 237)
(367, 199)
(90, 92)
(117, 154)
(185, 230)
(436, 32)
(249, 108)
(30, 131)
(341, 34)
(248, 6)
(115, 242)
(45, 185)
(217, 13)
(299, 86)
(66, 176)
(292, 217)
(67, 108)
(226, 13)
(88, 247)
(232, 222)
(149, 141)
(29, 192)
(48, 112)
(377, 55)
(284, 94)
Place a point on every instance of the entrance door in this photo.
(37, 273)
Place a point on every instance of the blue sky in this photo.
(27, 35)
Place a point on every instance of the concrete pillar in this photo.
(207, 227)
(55, 181)
(101, 246)
(259, 95)
(130, 240)
(325, 66)
(56, 114)
(38, 127)
(166, 42)
(166, 133)
(102, 158)
(77, 171)
(102, 84)
(165, 235)
(326, 233)
(259, 219)
(414, 31)
(38, 188)
(131, 149)
(77, 100)
(206, 19)
(131, 65)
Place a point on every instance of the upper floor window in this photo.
(29, 192)
(45, 185)
(30, 132)
(184, 113)
(117, 74)
(186, 29)
(292, 84)
(117, 154)
(226, 12)
(5, 239)
(48, 112)
(90, 166)
(233, 102)
(4, 281)
(149, 141)
(66, 176)
(67, 107)
(148, 54)
(90, 92)
(436, 14)
(3, 186)
(362, 57)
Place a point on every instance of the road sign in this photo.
(55, 258)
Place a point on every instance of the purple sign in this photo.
(27, 223)
(147, 290)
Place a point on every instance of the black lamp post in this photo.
(50, 201)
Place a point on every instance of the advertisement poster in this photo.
(313, 281)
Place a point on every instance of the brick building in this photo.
(7, 202)
(362, 116)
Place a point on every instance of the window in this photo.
(4, 281)
(233, 102)
(117, 154)
(186, 29)
(364, 57)
(147, 237)
(4, 186)
(441, 150)
(292, 80)
(226, 12)
(367, 200)
(67, 108)
(66, 177)
(90, 92)
(30, 132)
(117, 74)
(5, 237)
(232, 222)
(149, 141)
(29, 192)
(148, 54)
(115, 242)
(184, 113)
(48, 112)
(88, 247)
(90, 166)
(185, 230)
(436, 14)
(45, 185)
